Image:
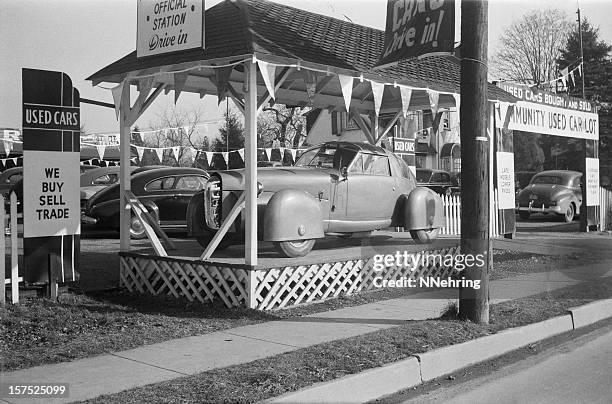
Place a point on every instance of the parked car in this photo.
(97, 179)
(438, 180)
(8, 179)
(555, 191)
(165, 192)
(337, 188)
(84, 168)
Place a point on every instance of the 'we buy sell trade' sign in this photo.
(51, 155)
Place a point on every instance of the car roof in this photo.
(357, 146)
(167, 171)
(560, 173)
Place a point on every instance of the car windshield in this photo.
(422, 176)
(547, 179)
(327, 157)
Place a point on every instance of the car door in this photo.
(160, 193)
(184, 188)
(371, 190)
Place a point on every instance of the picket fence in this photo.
(10, 226)
(605, 209)
(452, 215)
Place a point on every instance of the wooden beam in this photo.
(362, 125)
(229, 220)
(250, 155)
(124, 169)
(385, 132)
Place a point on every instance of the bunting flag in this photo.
(580, 69)
(457, 98)
(564, 80)
(222, 75)
(377, 91)
(346, 83)
(179, 84)
(225, 157)
(268, 72)
(176, 150)
(268, 151)
(241, 152)
(434, 97)
(193, 155)
(282, 152)
(101, 149)
(293, 153)
(572, 78)
(310, 79)
(160, 153)
(406, 94)
(14, 160)
(117, 91)
(209, 156)
(140, 152)
(8, 146)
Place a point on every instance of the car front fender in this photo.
(423, 209)
(292, 215)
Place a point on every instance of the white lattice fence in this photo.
(267, 288)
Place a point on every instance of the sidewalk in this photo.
(117, 371)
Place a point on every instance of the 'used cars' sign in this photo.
(417, 28)
(51, 194)
(168, 26)
(403, 146)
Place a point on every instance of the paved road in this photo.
(578, 371)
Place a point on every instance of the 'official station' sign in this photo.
(417, 28)
(168, 26)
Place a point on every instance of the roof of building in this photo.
(275, 32)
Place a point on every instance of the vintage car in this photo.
(438, 180)
(555, 191)
(165, 192)
(337, 188)
(8, 179)
(97, 179)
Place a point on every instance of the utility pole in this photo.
(584, 210)
(474, 115)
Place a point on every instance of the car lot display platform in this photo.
(335, 268)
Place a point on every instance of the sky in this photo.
(79, 37)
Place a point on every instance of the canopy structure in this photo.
(257, 52)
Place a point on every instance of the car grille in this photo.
(212, 203)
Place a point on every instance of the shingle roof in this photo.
(243, 27)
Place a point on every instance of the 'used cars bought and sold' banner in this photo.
(51, 194)
(417, 28)
(168, 26)
(550, 114)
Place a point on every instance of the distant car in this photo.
(165, 192)
(437, 180)
(8, 179)
(555, 191)
(269, 164)
(84, 168)
(97, 179)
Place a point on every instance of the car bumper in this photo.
(534, 208)
(88, 220)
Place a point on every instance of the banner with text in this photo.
(418, 28)
(169, 26)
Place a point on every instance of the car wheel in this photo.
(569, 213)
(137, 229)
(425, 236)
(204, 241)
(296, 248)
(524, 215)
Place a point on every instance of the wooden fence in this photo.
(452, 215)
(10, 222)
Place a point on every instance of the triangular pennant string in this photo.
(377, 91)
(160, 153)
(117, 91)
(101, 149)
(571, 75)
(346, 83)
(406, 94)
(268, 72)
(225, 156)
(434, 97)
(209, 156)
(140, 152)
(176, 150)
(241, 152)
(8, 146)
(222, 75)
(268, 152)
(293, 153)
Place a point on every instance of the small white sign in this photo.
(505, 180)
(592, 181)
(169, 26)
(51, 193)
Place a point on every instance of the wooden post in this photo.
(14, 250)
(250, 157)
(474, 303)
(124, 169)
(52, 292)
(3, 253)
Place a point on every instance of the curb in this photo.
(383, 381)
(591, 313)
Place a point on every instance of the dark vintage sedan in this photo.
(165, 192)
(8, 179)
(438, 180)
(337, 188)
(555, 191)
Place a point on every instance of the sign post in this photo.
(51, 196)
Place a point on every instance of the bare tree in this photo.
(281, 126)
(178, 127)
(531, 46)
